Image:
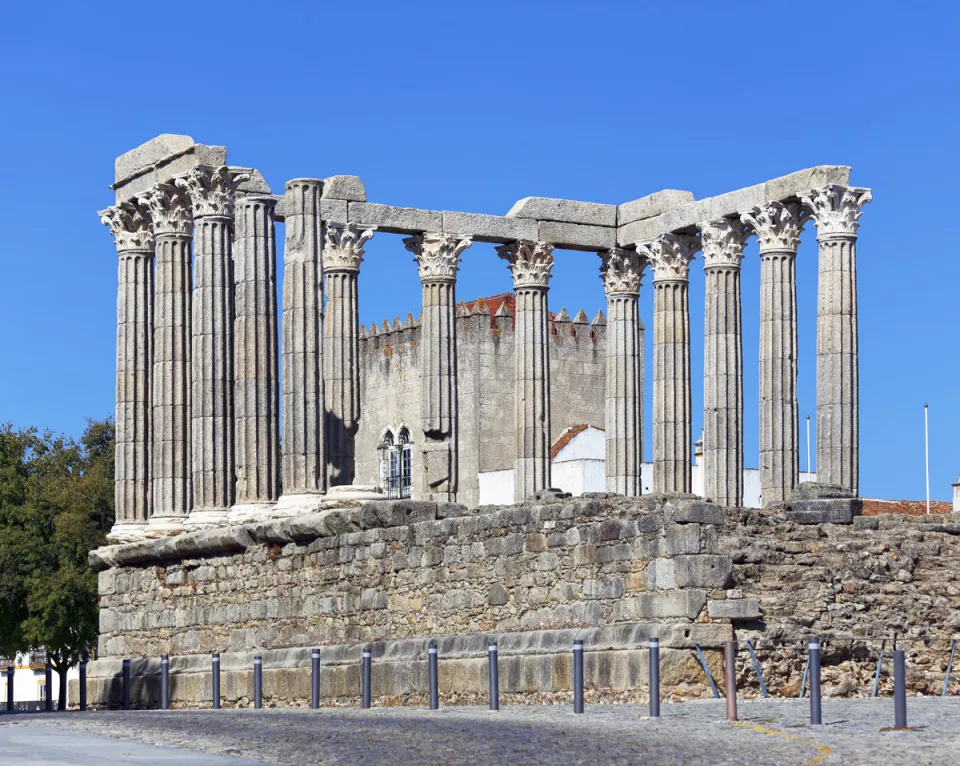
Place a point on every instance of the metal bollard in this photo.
(126, 685)
(946, 678)
(82, 685)
(315, 679)
(258, 682)
(654, 677)
(899, 690)
(164, 682)
(216, 681)
(730, 660)
(10, 671)
(813, 654)
(578, 676)
(48, 680)
(494, 673)
(365, 681)
(434, 676)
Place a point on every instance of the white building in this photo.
(578, 465)
(29, 679)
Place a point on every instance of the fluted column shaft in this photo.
(304, 460)
(172, 481)
(837, 211)
(530, 265)
(722, 243)
(670, 256)
(438, 258)
(212, 192)
(342, 256)
(621, 272)
(257, 390)
(778, 228)
(130, 226)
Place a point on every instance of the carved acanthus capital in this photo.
(343, 245)
(436, 255)
(530, 262)
(837, 209)
(777, 225)
(130, 226)
(670, 255)
(169, 208)
(622, 271)
(722, 242)
(212, 191)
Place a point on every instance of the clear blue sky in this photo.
(471, 106)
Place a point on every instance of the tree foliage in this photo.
(56, 504)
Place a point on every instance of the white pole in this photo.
(808, 444)
(926, 435)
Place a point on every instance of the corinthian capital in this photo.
(343, 246)
(670, 255)
(169, 208)
(622, 271)
(212, 191)
(436, 255)
(777, 225)
(130, 226)
(530, 262)
(722, 242)
(837, 209)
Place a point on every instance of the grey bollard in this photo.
(434, 676)
(813, 661)
(82, 685)
(730, 662)
(493, 671)
(10, 671)
(164, 682)
(125, 689)
(654, 677)
(578, 676)
(48, 680)
(215, 661)
(899, 690)
(315, 679)
(258, 682)
(365, 681)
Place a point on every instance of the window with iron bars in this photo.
(397, 464)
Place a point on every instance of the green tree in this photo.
(56, 504)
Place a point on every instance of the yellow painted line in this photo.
(824, 752)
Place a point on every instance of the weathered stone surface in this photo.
(838, 511)
(652, 205)
(794, 185)
(703, 571)
(488, 228)
(573, 236)
(670, 604)
(394, 220)
(694, 512)
(734, 609)
(163, 147)
(811, 490)
(565, 210)
(344, 187)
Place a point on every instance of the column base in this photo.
(204, 518)
(164, 526)
(247, 513)
(296, 504)
(125, 532)
(361, 492)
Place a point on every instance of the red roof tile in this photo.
(874, 507)
(568, 436)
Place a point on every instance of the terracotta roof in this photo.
(874, 507)
(568, 436)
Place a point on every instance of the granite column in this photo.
(531, 264)
(438, 258)
(778, 226)
(836, 211)
(670, 256)
(622, 272)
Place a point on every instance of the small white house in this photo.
(29, 679)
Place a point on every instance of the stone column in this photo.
(837, 210)
(530, 265)
(622, 272)
(438, 258)
(778, 226)
(212, 193)
(304, 459)
(722, 243)
(172, 481)
(670, 256)
(342, 256)
(130, 226)
(257, 392)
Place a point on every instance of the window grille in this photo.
(406, 464)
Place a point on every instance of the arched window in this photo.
(396, 459)
(405, 448)
(386, 457)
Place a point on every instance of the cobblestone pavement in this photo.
(770, 732)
